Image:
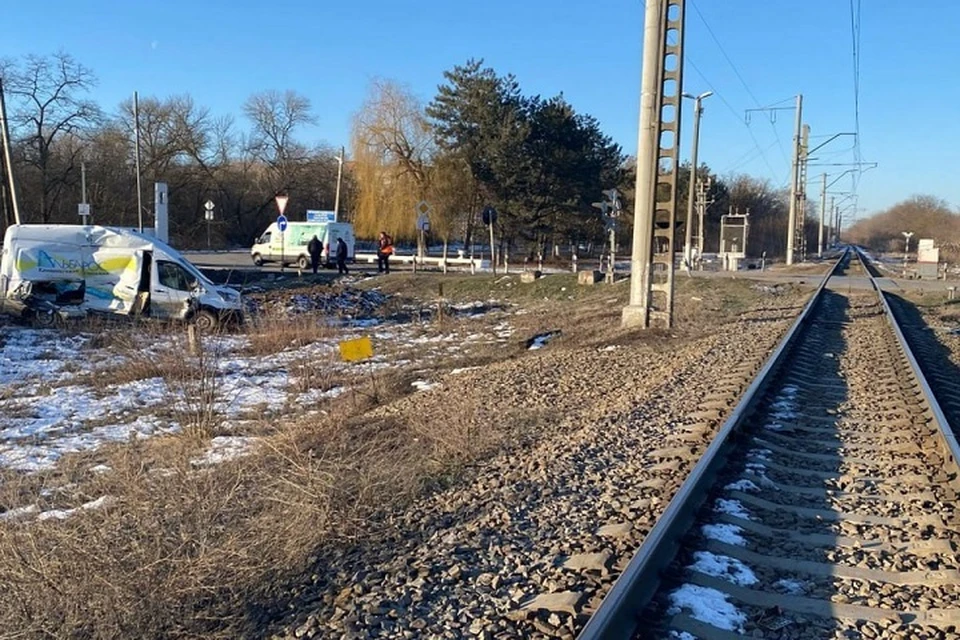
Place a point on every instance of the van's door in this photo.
(112, 278)
(172, 290)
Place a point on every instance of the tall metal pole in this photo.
(637, 313)
(83, 182)
(823, 211)
(692, 191)
(336, 202)
(794, 179)
(136, 129)
(5, 134)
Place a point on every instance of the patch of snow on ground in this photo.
(19, 512)
(732, 508)
(423, 385)
(742, 485)
(722, 532)
(730, 569)
(682, 635)
(63, 514)
(44, 454)
(707, 605)
(790, 586)
(459, 370)
(63, 410)
(224, 448)
(36, 354)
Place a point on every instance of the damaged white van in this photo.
(60, 271)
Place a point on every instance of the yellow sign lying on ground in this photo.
(357, 349)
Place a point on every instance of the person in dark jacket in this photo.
(342, 256)
(384, 251)
(315, 248)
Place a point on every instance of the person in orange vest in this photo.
(384, 251)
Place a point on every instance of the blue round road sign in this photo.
(282, 223)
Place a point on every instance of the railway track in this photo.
(826, 506)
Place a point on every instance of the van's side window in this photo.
(265, 238)
(174, 276)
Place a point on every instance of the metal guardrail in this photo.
(616, 617)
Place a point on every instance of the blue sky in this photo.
(220, 52)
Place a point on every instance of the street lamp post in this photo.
(692, 191)
(906, 249)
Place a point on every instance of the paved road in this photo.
(239, 260)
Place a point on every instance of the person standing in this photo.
(384, 251)
(342, 256)
(314, 248)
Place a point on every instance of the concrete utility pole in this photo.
(802, 193)
(136, 129)
(833, 222)
(823, 210)
(691, 192)
(336, 202)
(655, 222)
(5, 142)
(794, 180)
(702, 205)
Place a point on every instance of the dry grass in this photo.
(269, 335)
(184, 551)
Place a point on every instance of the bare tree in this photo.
(49, 108)
(275, 117)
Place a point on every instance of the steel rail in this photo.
(616, 617)
(944, 429)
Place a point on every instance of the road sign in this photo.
(282, 223)
(314, 215)
(489, 215)
(281, 203)
(423, 222)
(208, 215)
(208, 205)
(423, 208)
(357, 349)
(83, 209)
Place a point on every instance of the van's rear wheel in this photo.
(257, 260)
(303, 262)
(206, 320)
(44, 320)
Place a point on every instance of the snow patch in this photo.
(722, 532)
(707, 605)
(742, 485)
(224, 448)
(732, 508)
(63, 514)
(730, 569)
(423, 385)
(790, 586)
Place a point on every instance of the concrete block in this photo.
(530, 276)
(589, 277)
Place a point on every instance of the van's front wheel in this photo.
(257, 260)
(206, 320)
(303, 262)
